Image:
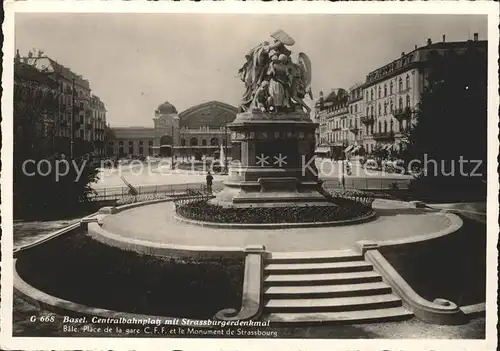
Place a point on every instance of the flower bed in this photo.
(201, 209)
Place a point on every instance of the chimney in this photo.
(429, 41)
(444, 38)
(476, 36)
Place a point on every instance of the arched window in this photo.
(379, 109)
(400, 102)
(371, 129)
(400, 84)
(193, 142)
(407, 81)
(391, 106)
(407, 100)
(366, 96)
(183, 142)
(214, 142)
(385, 89)
(372, 94)
(120, 142)
(385, 108)
(379, 92)
(392, 125)
(385, 126)
(367, 111)
(372, 111)
(391, 88)
(204, 142)
(379, 126)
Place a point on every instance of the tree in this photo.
(451, 122)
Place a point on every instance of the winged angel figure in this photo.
(273, 82)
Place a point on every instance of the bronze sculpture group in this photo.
(274, 83)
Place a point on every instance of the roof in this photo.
(166, 108)
(214, 114)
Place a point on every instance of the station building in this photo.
(199, 131)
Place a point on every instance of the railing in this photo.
(367, 119)
(151, 192)
(401, 113)
(383, 135)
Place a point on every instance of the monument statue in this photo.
(273, 83)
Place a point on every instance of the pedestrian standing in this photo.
(210, 180)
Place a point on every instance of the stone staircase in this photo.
(327, 287)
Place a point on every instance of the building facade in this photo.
(196, 132)
(382, 110)
(76, 104)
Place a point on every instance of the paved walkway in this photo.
(151, 174)
(155, 223)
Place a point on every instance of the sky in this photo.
(135, 62)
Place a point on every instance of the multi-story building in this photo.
(382, 110)
(332, 114)
(392, 93)
(356, 108)
(98, 120)
(74, 105)
(196, 132)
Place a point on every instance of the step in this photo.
(345, 317)
(314, 256)
(322, 279)
(363, 289)
(334, 304)
(319, 267)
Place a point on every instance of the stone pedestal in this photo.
(274, 162)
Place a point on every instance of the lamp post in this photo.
(172, 146)
(72, 121)
(225, 145)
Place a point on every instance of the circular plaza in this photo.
(156, 224)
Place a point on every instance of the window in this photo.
(150, 143)
(367, 111)
(131, 150)
(194, 142)
(379, 109)
(385, 108)
(385, 126)
(130, 143)
(371, 129)
(140, 142)
(379, 126)
(400, 84)
(392, 125)
(366, 96)
(204, 142)
(141, 150)
(372, 111)
(407, 100)
(214, 142)
(407, 81)
(400, 102)
(121, 151)
(372, 94)
(391, 88)
(385, 89)
(391, 106)
(120, 142)
(356, 108)
(379, 92)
